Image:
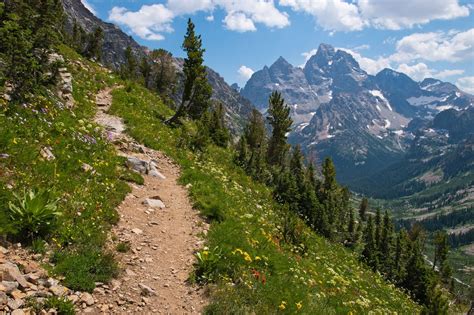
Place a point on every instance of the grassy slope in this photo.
(327, 279)
(74, 140)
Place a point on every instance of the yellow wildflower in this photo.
(299, 305)
(282, 305)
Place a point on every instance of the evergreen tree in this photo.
(369, 254)
(197, 92)
(378, 230)
(255, 135)
(217, 129)
(351, 227)
(145, 70)
(437, 303)
(94, 47)
(329, 174)
(164, 72)
(402, 249)
(242, 152)
(386, 244)
(129, 69)
(279, 119)
(441, 256)
(418, 279)
(363, 209)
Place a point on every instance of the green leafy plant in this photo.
(123, 247)
(33, 213)
(207, 265)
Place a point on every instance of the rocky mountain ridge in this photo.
(341, 111)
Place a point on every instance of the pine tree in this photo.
(279, 119)
(437, 303)
(351, 227)
(217, 129)
(197, 92)
(386, 244)
(418, 278)
(164, 74)
(440, 260)
(369, 254)
(145, 70)
(129, 69)
(94, 47)
(255, 136)
(402, 249)
(378, 230)
(329, 174)
(363, 209)
(242, 152)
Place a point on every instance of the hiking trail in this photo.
(159, 223)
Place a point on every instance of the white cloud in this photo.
(436, 46)
(417, 71)
(331, 15)
(343, 15)
(245, 73)
(151, 21)
(397, 15)
(237, 21)
(148, 22)
(466, 84)
(449, 73)
(89, 7)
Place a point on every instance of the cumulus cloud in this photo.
(436, 46)
(466, 84)
(342, 15)
(397, 15)
(245, 73)
(332, 15)
(149, 22)
(237, 21)
(88, 6)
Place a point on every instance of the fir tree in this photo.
(129, 69)
(378, 229)
(145, 70)
(279, 119)
(217, 129)
(94, 48)
(197, 92)
(329, 174)
(386, 244)
(165, 78)
(364, 204)
(369, 254)
(351, 227)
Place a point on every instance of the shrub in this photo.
(33, 214)
(207, 265)
(122, 247)
(82, 269)
(62, 305)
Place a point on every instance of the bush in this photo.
(207, 265)
(62, 305)
(123, 247)
(84, 268)
(33, 214)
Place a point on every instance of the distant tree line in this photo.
(441, 221)
(460, 239)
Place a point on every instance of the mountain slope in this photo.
(113, 55)
(361, 121)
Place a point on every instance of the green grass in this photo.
(249, 267)
(74, 140)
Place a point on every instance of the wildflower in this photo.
(282, 305)
(247, 257)
(299, 305)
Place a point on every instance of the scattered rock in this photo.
(8, 286)
(137, 165)
(87, 168)
(46, 153)
(10, 272)
(3, 298)
(87, 298)
(154, 202)
(58, 290)
(14, 304)
(146, 290)
(137, 231)
(18, 312)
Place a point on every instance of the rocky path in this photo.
(161, 229)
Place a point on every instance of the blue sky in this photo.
(423, 38)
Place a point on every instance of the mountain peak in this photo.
(281, 62)
(322, 58)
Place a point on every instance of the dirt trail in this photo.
(162, 240)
